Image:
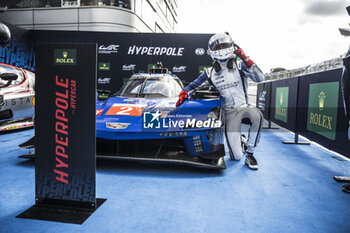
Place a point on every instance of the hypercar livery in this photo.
(142, 122)
(16, 98)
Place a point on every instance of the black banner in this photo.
(321, 114)
(122, 54)
(284, 103)
(263, 99)
(65, 163)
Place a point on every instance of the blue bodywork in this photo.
(197, 122)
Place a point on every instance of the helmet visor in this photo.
(222, 43)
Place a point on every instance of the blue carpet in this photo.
(293, 191)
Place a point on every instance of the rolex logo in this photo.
(104, 66)
(321, 98)
(65, 54)
(281, 98)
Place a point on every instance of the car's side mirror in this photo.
(8, 76)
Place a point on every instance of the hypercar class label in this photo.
(62, 130)
(126, 110)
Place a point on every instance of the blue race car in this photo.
(141, 122)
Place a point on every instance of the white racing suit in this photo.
(232, 86)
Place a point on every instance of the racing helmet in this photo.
(221, 47)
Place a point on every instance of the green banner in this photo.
(151, 66)
(281, 106)
(323, 108)
(201, 69)
(104, 66)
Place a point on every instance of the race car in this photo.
(16, 98)
(141, 122)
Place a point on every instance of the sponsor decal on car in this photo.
(200, 51)
(153, 120)
(179, 69)
(116, 125)
(12, 127)
(18, 101)
(104, 81)
(155, 51)
(104, 66)
(65, 56)
(126, 109)
(99, 111)
(15, 126)
(130, 67)
(108, 49)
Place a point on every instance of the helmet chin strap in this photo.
(223, 62)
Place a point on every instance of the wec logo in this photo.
(104, 81)
(108, 49)
(179, 69)
(129, 67)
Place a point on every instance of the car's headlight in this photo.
(215, 113)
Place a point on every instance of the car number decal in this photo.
(126, 110)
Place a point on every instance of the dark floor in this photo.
(293, 191)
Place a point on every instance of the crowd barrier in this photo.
(309, 105)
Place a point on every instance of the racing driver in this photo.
(230, 78)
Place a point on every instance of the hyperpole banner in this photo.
(120, 55)
(65, 163)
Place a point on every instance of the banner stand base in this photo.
(60, 213)
(342, 179)
(296, 141)
(269, 126)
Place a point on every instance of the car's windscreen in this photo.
(151, 88)
(13, 70)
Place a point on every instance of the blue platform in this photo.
(293, 191)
